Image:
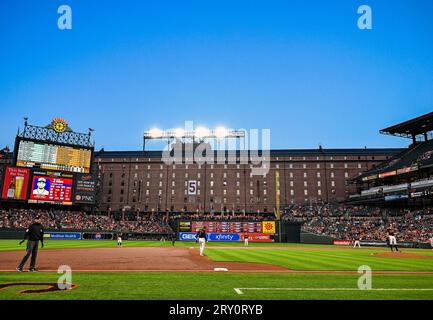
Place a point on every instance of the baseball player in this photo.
(357, 242)
(201, 237)
(33, 235)
(392, 240)
(119, 240)
(245, 240)
(431, 242)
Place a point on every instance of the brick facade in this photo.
(140, 180)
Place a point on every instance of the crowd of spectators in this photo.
(366, 223)
(78, 220)
(338, 221)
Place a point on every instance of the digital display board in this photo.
(15, 184)
(227, 226)
(85, 189)
(42, 155)
(51, 188)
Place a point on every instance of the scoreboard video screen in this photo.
(227, 226)
(51, 188)
(31, 154)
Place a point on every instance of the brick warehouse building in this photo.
(139, 180)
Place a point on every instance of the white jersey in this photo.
(392, 240)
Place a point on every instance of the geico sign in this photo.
(187, 236)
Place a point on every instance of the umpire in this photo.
(33, 235)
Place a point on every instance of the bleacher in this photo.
(406, 176)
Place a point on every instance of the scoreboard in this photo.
(228, 226)
(50, 187)
(42, 155)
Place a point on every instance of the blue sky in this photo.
(301, 68)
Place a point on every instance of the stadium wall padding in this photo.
(12, 234)
(311, 238)
(290, 232)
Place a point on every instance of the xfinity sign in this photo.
(229, 237)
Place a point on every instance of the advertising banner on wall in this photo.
(259, 237)
(268, 226)
(227, 237)
(342, 242)
(15, 184)
(224, 237)
(85, 189)
(187, 236)
(62, 235)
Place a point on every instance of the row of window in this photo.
(238, 200)
(303, 158)
(277, 166)
(186, 176)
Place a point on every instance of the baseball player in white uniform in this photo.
(357, 242)
(245, 240)
(392, 240)
(431, 242)
(119, 240)
(201, 237)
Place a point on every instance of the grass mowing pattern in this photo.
(323, 259)
(216, 286)
(7, 245)
(220, 286)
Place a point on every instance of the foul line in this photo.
(241, 290)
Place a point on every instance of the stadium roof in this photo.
(411, 128)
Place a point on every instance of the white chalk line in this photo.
(241, 290)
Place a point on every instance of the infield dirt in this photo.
(129, 259)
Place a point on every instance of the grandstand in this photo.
(407, 177)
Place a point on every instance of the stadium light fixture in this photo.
(221, 132)
(155, 133)
(201, 132)
(179, 133)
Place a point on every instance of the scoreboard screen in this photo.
(51, 189)
(42, 155)
(227, 226)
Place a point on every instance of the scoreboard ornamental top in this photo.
(57, 131)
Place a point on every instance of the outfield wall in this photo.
(71, 234)
(311, 238)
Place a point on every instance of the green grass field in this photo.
(221, 285)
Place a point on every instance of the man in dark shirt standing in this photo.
(33, 235)
(173, 239)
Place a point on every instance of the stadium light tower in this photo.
(199, 133)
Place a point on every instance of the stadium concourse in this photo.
(341, 222)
